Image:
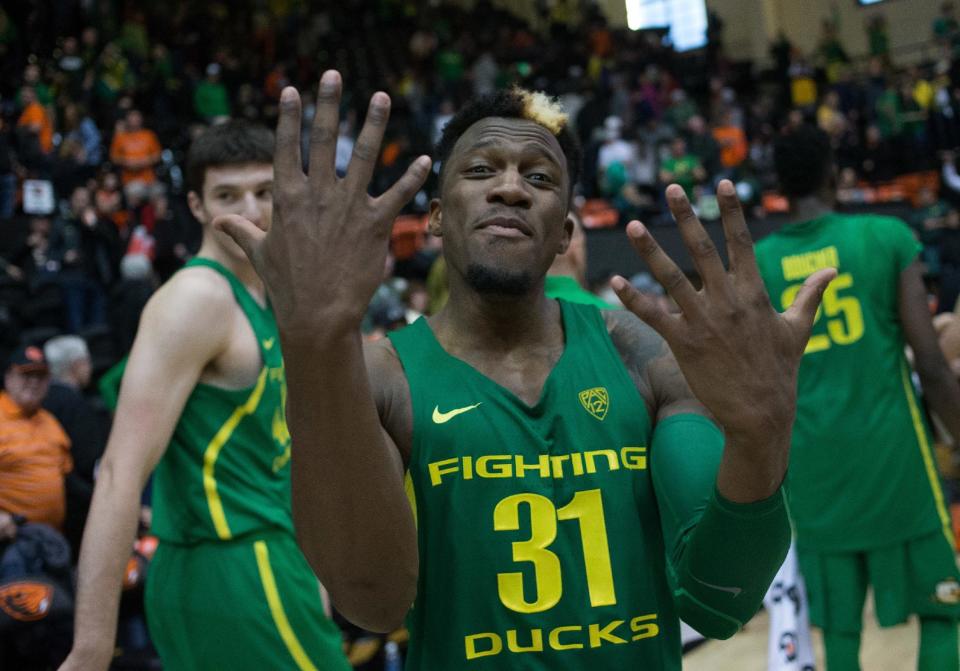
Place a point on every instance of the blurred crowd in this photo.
(100, 100)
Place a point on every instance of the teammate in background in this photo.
(560, 465)
(202, 400)
(567, 275)
(863, 487)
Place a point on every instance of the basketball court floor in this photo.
(893, 649)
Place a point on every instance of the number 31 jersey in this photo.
(539, 536)
(861, 474)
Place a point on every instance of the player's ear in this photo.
(197, 209)
(433, 222)
(567, 234)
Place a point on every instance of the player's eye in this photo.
(540, 177)
(478, 170)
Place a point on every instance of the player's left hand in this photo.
(738, 354)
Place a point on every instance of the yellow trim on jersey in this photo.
(411, 495)
(276, 609)
(921, 432)
(212, 452)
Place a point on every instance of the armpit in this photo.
(391, 393)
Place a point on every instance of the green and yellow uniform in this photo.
(863, 487)
(228, 588)
(541, 538)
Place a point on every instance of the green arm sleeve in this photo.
(721, 555)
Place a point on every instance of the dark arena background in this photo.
(100, 101)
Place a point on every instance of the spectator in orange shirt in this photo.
(34, 449)
(732, 141)
(35, 119)
(136, 150)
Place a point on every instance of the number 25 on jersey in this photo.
(843, 313)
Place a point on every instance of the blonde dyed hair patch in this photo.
(542, 109)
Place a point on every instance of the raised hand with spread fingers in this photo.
(739, 355)
(321, 261)
(323, 256)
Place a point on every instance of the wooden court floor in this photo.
(891, 649)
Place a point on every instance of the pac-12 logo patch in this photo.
(596, 401)
(948, 591)
(26, 601)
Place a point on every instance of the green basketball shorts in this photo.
(252, 603)
(918, 576)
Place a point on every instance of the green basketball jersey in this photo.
(861, 470)
(539, 536)
(226, 472)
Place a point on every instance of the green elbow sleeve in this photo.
(729, 559)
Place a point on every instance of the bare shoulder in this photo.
(194, 309)
(651, 365)
(636, 342)
(391, 392)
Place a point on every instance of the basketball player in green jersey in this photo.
(202, 400)
(863, 486)
(571, 497)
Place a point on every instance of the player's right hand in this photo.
(323, 256)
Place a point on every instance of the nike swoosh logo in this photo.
(735, 591)
(268, 344)
(444, 417)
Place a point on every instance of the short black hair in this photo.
(231, 143)
(508, 104)
(803, 159)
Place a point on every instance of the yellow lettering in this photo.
(609, 454)
(801, 266)
(542, 465)
(501, 470)
(536, 641)
(468, 468)
(496, 645)
(606, 634)
(644, 626)
(440, 468)
(634, 458)
(554, 638)
(576, 460)
(557, 462)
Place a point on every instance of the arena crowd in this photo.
(100, 101)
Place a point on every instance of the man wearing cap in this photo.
(34, 450)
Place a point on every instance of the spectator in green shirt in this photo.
(682, 168)
(210, 99)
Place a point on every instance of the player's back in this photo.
(861, 473)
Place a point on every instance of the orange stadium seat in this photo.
(598, 213)
(408, 235)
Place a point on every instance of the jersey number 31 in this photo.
(587, 508)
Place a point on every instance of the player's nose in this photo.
(250, 209)
(509, 188)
